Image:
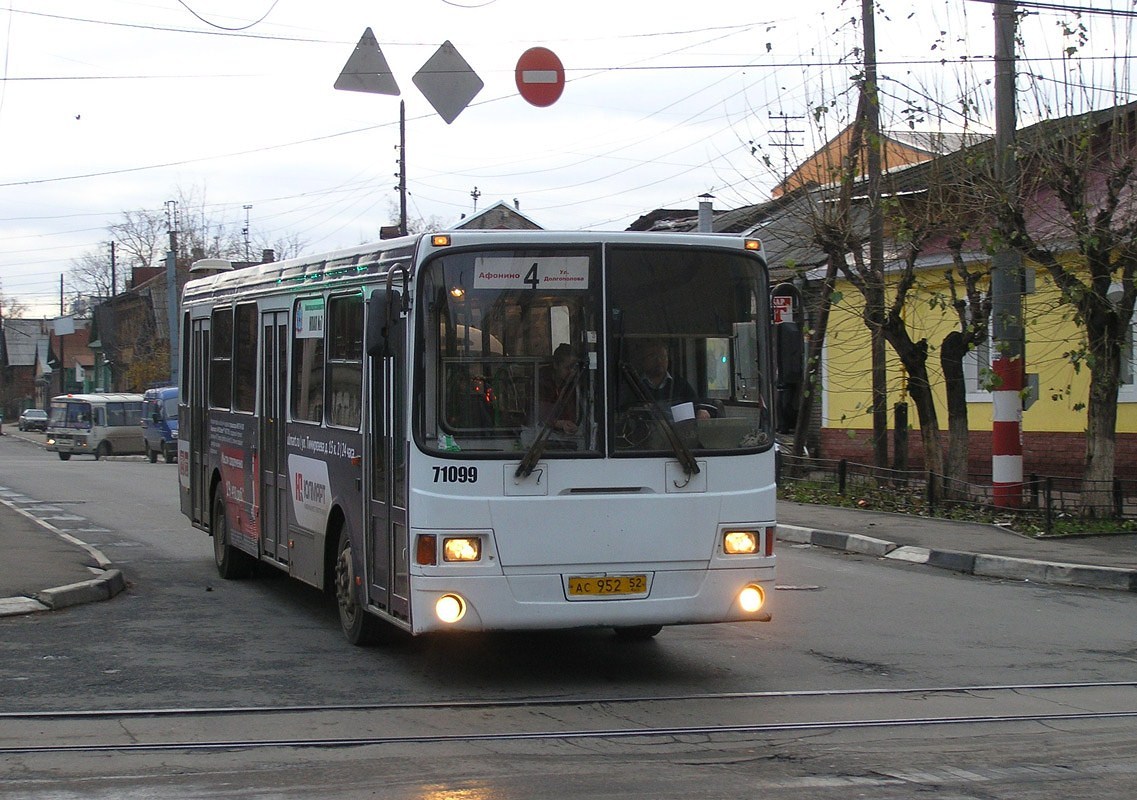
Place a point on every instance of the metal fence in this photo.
(1045, 505)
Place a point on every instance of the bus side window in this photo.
(345, 361)
(308, 374)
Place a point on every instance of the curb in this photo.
(108, 583)
(983, 565)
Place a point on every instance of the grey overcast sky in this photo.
(122, 104)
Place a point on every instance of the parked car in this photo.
(33, 419)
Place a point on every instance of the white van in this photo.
(95, 424)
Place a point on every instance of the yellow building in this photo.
(1054, 424)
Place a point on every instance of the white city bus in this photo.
(385, 423)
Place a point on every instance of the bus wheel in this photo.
(64, 456)
(151, 454)
(102, 451)
(231, 562)
(358, 626)
(638, 633)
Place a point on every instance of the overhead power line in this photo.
(254, 23)
(1043, 6)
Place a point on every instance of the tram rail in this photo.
(726, 714)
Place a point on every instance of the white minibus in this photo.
(99, 425)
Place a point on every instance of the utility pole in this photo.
(1009, 362)
(114, 276)
(58, 335)
(402, 168)
(786, 144)
(475, 194)
(172, 287)
(874, 283)
(245, 230)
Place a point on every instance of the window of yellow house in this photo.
(977, 368)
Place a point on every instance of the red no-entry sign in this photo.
(540, 76)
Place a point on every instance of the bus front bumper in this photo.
(541, 602)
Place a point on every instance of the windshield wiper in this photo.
(686, 459)
(533, 455)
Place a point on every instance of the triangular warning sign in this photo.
(366, 70)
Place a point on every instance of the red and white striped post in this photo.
(1006, 432)
(1009, 364)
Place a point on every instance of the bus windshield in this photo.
(686, 360)
(70, 414)
(517, 349)
(494, 321)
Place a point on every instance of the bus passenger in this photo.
(556, 379)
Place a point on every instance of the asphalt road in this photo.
(849, 632)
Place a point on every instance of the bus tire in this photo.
(64, 456)
(359, 627)
(231, 562)
(638, 633)
(151, 454)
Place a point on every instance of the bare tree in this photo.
(1087, 163)
(972, 307)
(282, 247)
(140, 238)
(90, 276)
(11, 308)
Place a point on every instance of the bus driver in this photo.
(660, 385)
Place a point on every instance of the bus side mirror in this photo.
(789, 355)
(382, 317)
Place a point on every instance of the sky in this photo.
(123, 105)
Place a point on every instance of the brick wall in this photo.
(1044, 454)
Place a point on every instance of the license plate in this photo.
(606, 585)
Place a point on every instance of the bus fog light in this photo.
(740, 542)
(450, 608)
(752, 598)
(464, 548)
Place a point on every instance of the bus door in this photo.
(388, 555)
(273, 467)
(198, 383)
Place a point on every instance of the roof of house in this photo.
(26, 341)
(500, 216)
(787, 225)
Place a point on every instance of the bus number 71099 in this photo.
(455, 474)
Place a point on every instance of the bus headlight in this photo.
(461, 548)
(450, 608)
(752, 598)
(736, 543)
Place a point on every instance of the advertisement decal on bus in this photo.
(311, 493)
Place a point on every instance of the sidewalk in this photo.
(1098, 561)
(42, 568)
